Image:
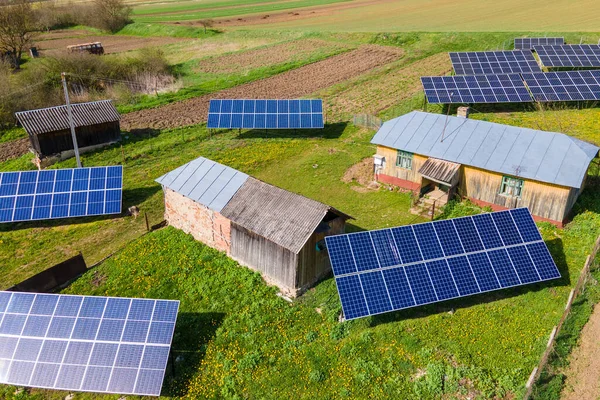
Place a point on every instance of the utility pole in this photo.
(70, 115)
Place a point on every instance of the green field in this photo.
(235, 339)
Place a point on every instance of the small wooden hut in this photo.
(276, 232)
(494, 165)
(96, 123)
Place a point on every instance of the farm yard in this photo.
(234, 337)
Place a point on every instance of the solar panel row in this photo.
(573, 55)
(493, 62)
(528, 43)
(82, 343)
(392, 269)
(564, 86)
(37, 195)
(265, 114)
(503, 88)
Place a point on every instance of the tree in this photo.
(17, 29)
(206, 23)
(111, 15)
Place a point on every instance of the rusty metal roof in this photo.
(528, 153)
(285, 218)
(439, 170)
(54, 119)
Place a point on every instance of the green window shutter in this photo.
(511, 186)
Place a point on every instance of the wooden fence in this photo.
(585, 274)
(367, 121)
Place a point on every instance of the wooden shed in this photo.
(491, 164)
(96, 123)
(276, 232)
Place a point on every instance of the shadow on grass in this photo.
(331, 131)
(556, 249)
(522, 107)
(130, 197)
(193, 332)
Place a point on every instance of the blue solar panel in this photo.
(269, 114)
(569, 55)
(80, 343)
(564, 86)
(392, 269)
(529, 43)
(39, 195)
(502, 88)
(494, 62)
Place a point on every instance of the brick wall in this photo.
(204, 224)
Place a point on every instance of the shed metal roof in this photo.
(205, 181)
(285, 218)
(54, 119)
(439, 170)
(531, 154)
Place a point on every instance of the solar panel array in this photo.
(564, 86)
(84, 343)
(573, 55)
(392, 269)
(502, 88)
(528, 43)
(265, 114)
(61, 193)
(494, 62)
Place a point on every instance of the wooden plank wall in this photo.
(276, 264)
(391, 169)
(47, 144)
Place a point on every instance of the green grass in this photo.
(185, 12)
(154, 30)
(12, 134)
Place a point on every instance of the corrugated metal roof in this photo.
(54, 119)
(285, 218)
(531, 154)
(439, 170)
(205, 181)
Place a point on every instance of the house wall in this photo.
(544, 200)
(408, 179)
(313, 264)
(204, 224)
(276, 264)
(47, 144)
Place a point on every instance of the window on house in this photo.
(404, 159)
(511, 186)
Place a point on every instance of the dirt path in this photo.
(14, 149)
(583, 373)
(292, 84)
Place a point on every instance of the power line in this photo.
(25, 89)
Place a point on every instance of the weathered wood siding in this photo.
(543, 199)
(47, 144)
(312, 264)
(276, 264)
(391, 169)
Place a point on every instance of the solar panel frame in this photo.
(569, 55)
(265, 114)
(465, 89)
(493, 62)
(62, 193)
(564, 85)
(516, 256)
(529, 43)
(62, 360)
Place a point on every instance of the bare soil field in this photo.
(295, 83)
(583, 373)
(111, 44)
(14, 149)
(267, 56)
(377, 92)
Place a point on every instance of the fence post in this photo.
(147, 224)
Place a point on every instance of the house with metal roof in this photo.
(96, 123)
(491, 164)
(269, 229)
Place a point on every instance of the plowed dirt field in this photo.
(292, 84)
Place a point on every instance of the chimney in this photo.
(463, 112)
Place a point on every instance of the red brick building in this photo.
(271, 230)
